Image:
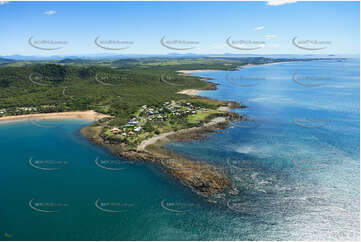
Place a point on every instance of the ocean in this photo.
(295, 164)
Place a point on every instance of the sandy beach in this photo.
(89, 115)
(154, 139)
(188, 72)
(190, 92)
(266, 64)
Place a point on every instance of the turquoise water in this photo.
(296, 168)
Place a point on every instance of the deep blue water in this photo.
(296, 167)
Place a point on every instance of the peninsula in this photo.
(142, 138)
(137, 104)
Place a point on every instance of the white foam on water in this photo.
(245, 149)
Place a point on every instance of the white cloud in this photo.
(270, 36)
(258, 28)
(279, 2)
(50, 12)
(2, 2)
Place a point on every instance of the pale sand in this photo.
(187, 72)
(190, 92)
(154, 139)
(266, 64)
(89, 115)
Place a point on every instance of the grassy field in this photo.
(169, 116)
(201, 116)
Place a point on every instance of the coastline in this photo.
(162, 137)
(190, 92)
(88, 115)
(202, 178)
(189, 72)
(194, 92)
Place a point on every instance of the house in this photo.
(115, 130)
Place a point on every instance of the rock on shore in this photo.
(202, 178)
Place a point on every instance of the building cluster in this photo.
(166, 111)
(26, 109)
(17, 110)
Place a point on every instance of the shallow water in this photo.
(296, 168)
(298, 162)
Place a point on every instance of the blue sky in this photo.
(206, 24)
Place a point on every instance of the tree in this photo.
(148, 127)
